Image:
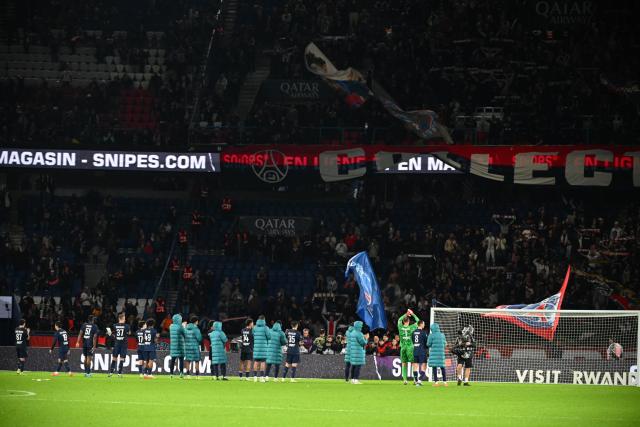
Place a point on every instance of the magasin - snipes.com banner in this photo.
(109, 160)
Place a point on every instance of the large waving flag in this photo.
(423, 123)
(350, 81)
(370, 305)
(543, 321)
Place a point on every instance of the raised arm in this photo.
(400, 320)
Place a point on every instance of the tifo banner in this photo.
(109, 160)
(575, 165)
(550, 371)
(275, 226)
(295, 90)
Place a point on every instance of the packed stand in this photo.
(496, 71)
(107, 74)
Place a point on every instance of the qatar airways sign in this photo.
(109, 160)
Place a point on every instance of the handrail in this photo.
(204, 74)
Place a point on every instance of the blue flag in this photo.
(370, 305)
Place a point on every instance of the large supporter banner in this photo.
(574, 165)
(276, 226)
(295, 90)
(530, 371)
(109, 160)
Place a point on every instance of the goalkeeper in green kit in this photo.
(406, 345)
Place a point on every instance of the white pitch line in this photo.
(334, 410)
(25, 393)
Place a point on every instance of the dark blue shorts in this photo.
(140, 354)
(149, 355)
(21, 352)
(293, 358)
(63, 352)
(419, 358)
(259, 359)
(119, 349)
(87, 351)
(246, 355)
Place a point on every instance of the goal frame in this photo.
(609, 313)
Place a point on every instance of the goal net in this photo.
(551, 347)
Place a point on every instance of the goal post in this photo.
(547, 346)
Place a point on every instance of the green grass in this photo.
(36, 399)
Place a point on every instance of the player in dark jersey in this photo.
(150, 341)
(89, 337)
(293, 351)
(246, 349)
(419, 366)
(61, 337)
(22, 339)
(141, 347)
(121, 332)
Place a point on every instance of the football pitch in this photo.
(37, 399)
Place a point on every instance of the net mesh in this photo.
(564, 347)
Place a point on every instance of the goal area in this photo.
(546, 346)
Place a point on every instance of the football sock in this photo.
(121, 365)
(404, 372)
(293, 371)
(112, 367)
(59, 366)
(66, 366)
(284, 374)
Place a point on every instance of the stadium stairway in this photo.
(230, 11)
(251, 86)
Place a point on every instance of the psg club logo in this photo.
(272, 168)
(367, 296)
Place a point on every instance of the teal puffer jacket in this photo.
(436, 343)
(260, 340)
(218, 340)
(176, 336)
(346, 353)
(192, 340)
(276, 341)
(355, 345)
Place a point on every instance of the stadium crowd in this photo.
(545, 82)
(424, 244)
